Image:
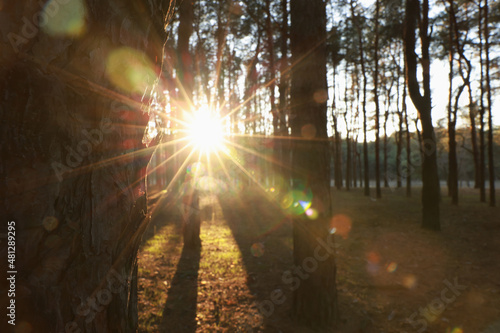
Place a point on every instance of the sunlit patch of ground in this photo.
(390, 271)
(200, 293)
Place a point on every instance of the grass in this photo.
(388, 267)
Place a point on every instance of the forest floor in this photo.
(392, 276)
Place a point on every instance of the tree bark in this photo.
(70, 108)
(315, 296)
(430, 179)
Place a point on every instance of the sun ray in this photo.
(257, 154)
(245, 171)
(226, 172)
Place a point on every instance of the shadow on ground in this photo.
(182, 295)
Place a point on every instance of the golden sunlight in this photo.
(205, 131)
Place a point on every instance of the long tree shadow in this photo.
(261, 232)
(179, 313)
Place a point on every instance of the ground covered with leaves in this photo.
(392, 276)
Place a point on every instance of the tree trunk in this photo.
(191, 219)
(430, 179)
(185, 74)
(491, 165)
(185, 58)
(408, 140)
(377, 105)
(365, 118)
(283, 90)
(399, 135)
(481, 158)
(348, 162)
(348, 150)
(221, 34)
(272, 82)
(354, 143)
(386, 118)
(70, 109)
(452, 119)
(315, 295)
(338, 154)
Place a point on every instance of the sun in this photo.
(205, 131)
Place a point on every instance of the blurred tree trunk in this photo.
(481, 158)
(452, 116)
(377, 104)
(191, 221)
(315, 296)
(491, 166)
(282, 150)
(347, 143)
(354, 143)
(408, 139)
(338, 153)
(365, 82)
(399, 135)
(185, 75)
(430, 179)
(337, 140)
(73, 110)
(386, 119)
(221, 34)
(185, 72)
(271, 70)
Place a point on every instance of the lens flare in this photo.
(342, 225)
(391, 268)
(257, 250)
(410, 281)
(63, 18)
(130, 70)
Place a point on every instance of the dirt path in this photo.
(392, 275)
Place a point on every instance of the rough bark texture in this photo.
(315, 299)
(430, 179)
(79, 204)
